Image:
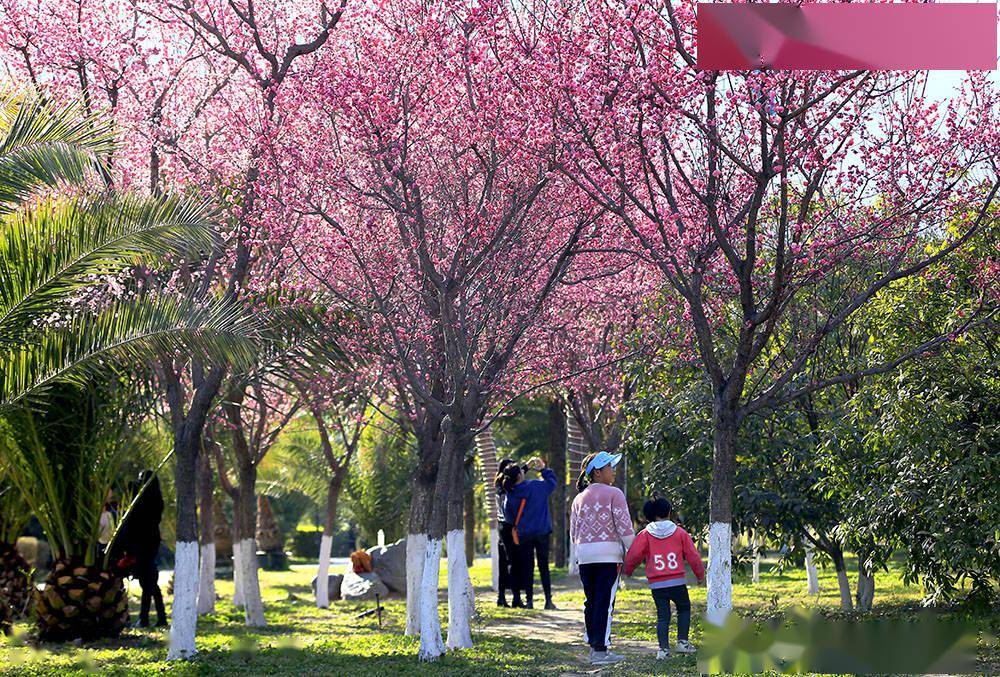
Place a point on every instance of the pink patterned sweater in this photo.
(600, 524)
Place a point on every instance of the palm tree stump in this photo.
(81, 601)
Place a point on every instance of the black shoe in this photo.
(141, 624)
(517, 603)
(162, 623)
(549, 606)
(529, 605)
(502, 601)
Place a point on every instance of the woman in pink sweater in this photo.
(601, 531)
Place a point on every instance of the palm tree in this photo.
(63, 459)
(64, 335)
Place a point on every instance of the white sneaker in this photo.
(605, 658)
(684, 646)
(663, 654)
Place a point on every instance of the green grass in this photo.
(303, 640)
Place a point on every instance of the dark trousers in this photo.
(600, 585)
(530, 549)
(677, 594)
(507, 555)
(147, 574)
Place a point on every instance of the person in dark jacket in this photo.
(527, 508)
(506, 550)
(140, 538)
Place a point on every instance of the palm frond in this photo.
(43, 143)
(127, 334)
(54, 249)
(301, 340)
(297, 464)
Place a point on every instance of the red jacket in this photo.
(664, 547)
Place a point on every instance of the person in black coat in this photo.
(506, 549)
(140, 538)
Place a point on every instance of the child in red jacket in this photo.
(664, 547)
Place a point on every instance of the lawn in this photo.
(303, 640)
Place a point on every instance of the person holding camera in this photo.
(527, 510)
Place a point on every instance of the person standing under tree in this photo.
(527, 509)
(141, 539)
(664, 547)
(601, 530)
(506, 550)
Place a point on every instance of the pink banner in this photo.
(845, 36)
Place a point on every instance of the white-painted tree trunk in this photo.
(184, 613)
(416, 549)
(812, 576)
(253, 605)
(461, 597)
(574, 566)
(866, 590)
(756, 559)
(431, 645)
(846, 603)
(206, 580)
(719, 598)
(237, 576)
(323, 573)
(495, 556)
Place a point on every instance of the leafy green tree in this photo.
(378, 489)
(911, 455)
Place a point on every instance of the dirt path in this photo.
(562, 627)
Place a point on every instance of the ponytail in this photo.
(507, 478)
(498, 480)
(584, 479)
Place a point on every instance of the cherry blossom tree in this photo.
(426, 201)
(752, 192)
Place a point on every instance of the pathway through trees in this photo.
(562, 628)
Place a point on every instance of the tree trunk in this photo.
(470, 516)
(755, 544)
(246, 506)
(719, 600)
(866, 585)
(431, 644)
(329, 527)
(487, 452)
(416, 550)
(812, 576)
(184, 612)
(461, 598)
(234, 530)
(206, 509)
(846, 604)
(421, 504)
(576, 451)
(557, 461)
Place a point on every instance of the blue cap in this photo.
(602, 459)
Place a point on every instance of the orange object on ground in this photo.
(361, 561)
